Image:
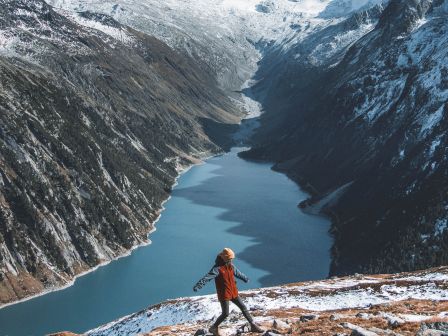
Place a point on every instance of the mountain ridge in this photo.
(372, 119)
(394, 304)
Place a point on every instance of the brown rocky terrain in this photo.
(360, 305)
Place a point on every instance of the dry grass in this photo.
(331, 322)
(326, 325)
(328, 322)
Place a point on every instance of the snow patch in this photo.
(349, 295)
(440, 226)
(386, 95)
(431, 121)
(118, 34)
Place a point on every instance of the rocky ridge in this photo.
(399, 304)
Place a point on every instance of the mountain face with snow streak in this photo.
(342, 8)
(365, 130)
(224, 36)
(96, 120)
(208, 31)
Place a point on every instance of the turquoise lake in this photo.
(226, 202)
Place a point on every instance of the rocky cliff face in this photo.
(398, 304)
(96, 120)
(363, 127)
(210, 32)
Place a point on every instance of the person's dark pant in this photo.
(225, 311)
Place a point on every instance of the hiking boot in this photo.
(214, 330)
(255, 328)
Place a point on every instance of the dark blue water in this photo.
(227, 202)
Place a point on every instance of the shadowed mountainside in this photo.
(96, 122)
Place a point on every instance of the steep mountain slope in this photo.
(398, 304)
(223, 36)
(192, 27)
(96, 121)
(365, 130)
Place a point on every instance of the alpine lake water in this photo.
(226, 202)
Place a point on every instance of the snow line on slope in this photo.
(332, 295)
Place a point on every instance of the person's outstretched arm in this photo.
(213, 273)
(239, 274)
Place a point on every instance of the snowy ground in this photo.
(316, 297)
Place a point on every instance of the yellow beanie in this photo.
(227, 254)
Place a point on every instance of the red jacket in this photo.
(226, 284)
(224, 275)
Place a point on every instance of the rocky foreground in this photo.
(400, 304)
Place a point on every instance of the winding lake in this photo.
(226, 202)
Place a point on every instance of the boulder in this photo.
(308, 317)
(279, 324)
(358, 331)
(384, 332)
(335, 317)
(433, 329)
(392, 320)
(432, 332)
(441, 326)
(364, 316)
(272, 333)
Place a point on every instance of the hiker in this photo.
(224, 273)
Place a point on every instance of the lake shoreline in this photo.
(221, 202)
(128, 252)
(251, 110)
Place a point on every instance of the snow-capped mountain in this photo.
(355, 100)
(96, 120)
(225, 36)
(364, 128)
(205, 30)
(58, 157)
